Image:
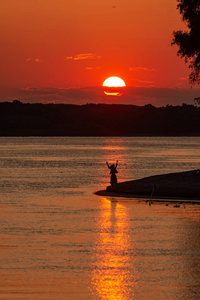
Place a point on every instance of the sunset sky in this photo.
(62, 51)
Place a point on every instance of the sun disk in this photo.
(114, 81)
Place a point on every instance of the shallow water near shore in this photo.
(59, 241)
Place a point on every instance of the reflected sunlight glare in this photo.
(114, 276)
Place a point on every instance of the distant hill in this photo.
(22, 119)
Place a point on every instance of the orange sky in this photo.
(79, 43)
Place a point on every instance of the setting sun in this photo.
(114, 81)
(114, 86)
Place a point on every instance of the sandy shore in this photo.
(183, 186)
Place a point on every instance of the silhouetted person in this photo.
(113, 171)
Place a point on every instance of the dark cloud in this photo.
(131, 95)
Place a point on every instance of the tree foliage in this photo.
(189, 41)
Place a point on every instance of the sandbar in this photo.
(182, 186)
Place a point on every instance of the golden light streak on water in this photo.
(114, 276)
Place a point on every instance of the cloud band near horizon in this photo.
(73, 95)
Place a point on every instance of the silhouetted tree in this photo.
(189, 41)
(197, 100)
(16, 102)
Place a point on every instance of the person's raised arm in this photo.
(107, 165)
(116, 164)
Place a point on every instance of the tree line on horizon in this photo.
(24, 119)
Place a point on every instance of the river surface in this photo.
(60, 241)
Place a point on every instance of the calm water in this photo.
(59, 241)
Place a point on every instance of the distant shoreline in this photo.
(95, 120)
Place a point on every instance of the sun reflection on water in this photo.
(114, 276)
